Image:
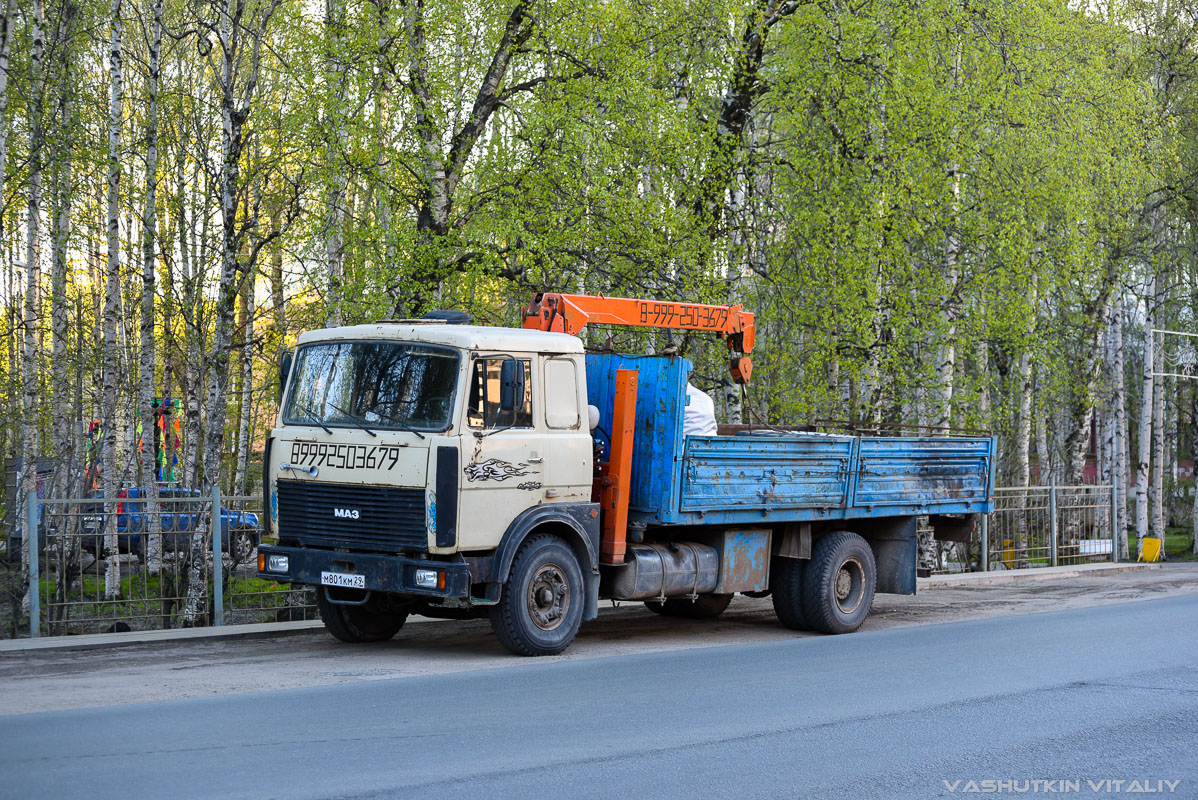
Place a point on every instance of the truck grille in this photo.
(379, 519)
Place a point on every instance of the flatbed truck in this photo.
(462, 471)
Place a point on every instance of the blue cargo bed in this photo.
(767, 476)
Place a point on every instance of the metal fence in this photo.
(98, 566)
(1037, 526)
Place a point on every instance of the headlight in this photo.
(427, 578)
(277, 563)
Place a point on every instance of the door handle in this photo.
(536, 460)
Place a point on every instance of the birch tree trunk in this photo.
(1023, 436)
(1146, 396)
(7, 24)
(1120, 426)
(1157, 495)
(149, 409)
(29, 433)
(334, 241)
(112, 298)
(1081, 406)
(60, 233)
(245, 395)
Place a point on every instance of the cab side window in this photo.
(561, 394)
(489, 383)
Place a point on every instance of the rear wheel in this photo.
(375, 621)
(838, 583)
(705, 606)
(786, 583)
(540, 608)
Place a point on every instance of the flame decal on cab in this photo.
(494, 469)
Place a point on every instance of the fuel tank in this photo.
(675, 569)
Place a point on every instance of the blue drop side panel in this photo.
(657, 445)
(748, 473)
(943, 474)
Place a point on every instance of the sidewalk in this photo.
(270, 629)
(965, 579)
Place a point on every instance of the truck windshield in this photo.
(385, 385)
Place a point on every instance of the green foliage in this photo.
(921, 194)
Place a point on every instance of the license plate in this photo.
(343, 579)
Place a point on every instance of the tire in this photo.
(241, 545)
(540, 607)
(839, 583)
(705, 606)
(786, 583)
(377, 621)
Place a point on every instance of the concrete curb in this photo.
(95, 641)
(966, 579)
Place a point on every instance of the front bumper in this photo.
(383, 573)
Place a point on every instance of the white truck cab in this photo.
(408, 455)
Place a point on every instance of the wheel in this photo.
(786, 583)
(377, 621)
(705, 606)
(540, 608)
(242, 545)
(838, 583)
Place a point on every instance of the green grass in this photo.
(142, 596)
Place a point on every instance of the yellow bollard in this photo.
(1151, 549)
(1008, 553)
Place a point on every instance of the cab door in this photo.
(503, 446)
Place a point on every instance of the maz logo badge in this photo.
(346, 513)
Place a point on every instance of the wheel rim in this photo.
(548, 597)
(849, 586)
(242, 547)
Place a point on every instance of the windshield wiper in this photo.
(311, 415)
(396, 421)
(352, 418)
(405, 426)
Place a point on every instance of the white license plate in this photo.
(343, 579)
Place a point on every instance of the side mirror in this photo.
(284, 372)
(511, 385)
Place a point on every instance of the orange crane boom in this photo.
(570, 313)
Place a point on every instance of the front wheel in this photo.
(540, 608)
(376, 621)
(838, 583)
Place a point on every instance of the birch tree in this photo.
(29, 366)
(147, 408)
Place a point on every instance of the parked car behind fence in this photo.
(178, 517)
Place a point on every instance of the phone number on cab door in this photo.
(344, 456)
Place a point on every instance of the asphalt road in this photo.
(1095, 694)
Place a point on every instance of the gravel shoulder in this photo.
(48, 680)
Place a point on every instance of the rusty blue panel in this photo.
(738, 480)
(751, 473)
(744, 561)
(929, 474)
(657, 445)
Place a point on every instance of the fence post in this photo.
(218, 578)
(1052, 523)
(31, 541)
(985, 542)
(1116, 534)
